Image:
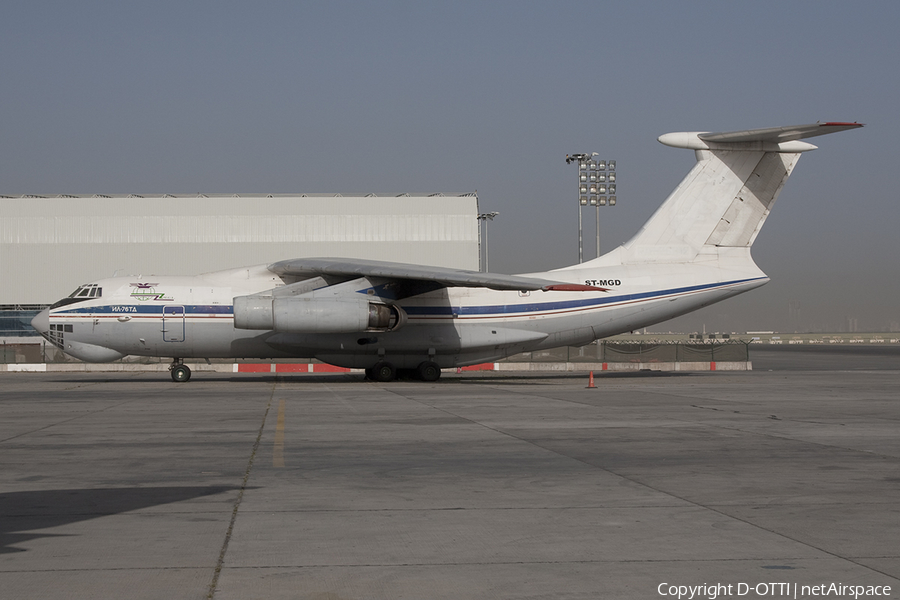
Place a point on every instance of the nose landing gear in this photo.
(179, 371)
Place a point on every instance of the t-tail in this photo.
(725, 199)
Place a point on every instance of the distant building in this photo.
(51, 245)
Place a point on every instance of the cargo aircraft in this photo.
(387, 317)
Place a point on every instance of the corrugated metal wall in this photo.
(48, 246)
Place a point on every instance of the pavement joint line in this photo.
(64, 421)
(537, 508)
(340, 398)
(536, 562)
(278, 445)
(778, 436)
(457, 564)
(721, 512)
(710, 507)
(476, 508)
(103, 569)
(237, 504)
(735, 428)
(619, 389)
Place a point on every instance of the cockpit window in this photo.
(89, 290)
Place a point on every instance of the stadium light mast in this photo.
(596, 187)
(483, 218)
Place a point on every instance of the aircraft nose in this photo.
(41, 322)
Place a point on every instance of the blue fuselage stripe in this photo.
(150, 309)
(502, 309)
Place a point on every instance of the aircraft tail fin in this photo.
(726, 197)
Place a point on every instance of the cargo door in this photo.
(173, 324)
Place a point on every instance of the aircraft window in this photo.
(68, 328)
(79, 295)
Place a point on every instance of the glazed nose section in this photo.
(41, 322)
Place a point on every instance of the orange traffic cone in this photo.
(591, 381)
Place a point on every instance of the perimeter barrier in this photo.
(641, 352)
(602, 352)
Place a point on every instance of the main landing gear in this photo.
(428, 371)
(385, 371)
(179, 371)
(382, 371)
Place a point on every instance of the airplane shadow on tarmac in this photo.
(24, 512)
(493, 377)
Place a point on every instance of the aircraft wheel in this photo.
(428, 371)
(384, 371)
(180, 373)
(370, 376)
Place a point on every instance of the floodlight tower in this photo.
(596, 186)
(483, 218)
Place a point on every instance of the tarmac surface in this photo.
(483, 485)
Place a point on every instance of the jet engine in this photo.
(316, 315)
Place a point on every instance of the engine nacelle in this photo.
(253, 312)
(315, 315)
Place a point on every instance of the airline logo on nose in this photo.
(146, 291)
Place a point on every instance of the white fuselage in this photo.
(192, 317)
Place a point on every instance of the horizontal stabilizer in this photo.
(772, 139)
(779, 134)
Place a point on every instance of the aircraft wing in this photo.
(778, 134)
(443, 277)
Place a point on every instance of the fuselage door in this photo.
(173, 324)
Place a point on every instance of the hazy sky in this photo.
(392, 97)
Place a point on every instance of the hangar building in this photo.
(51, 245)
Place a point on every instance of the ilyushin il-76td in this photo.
(387, 317)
